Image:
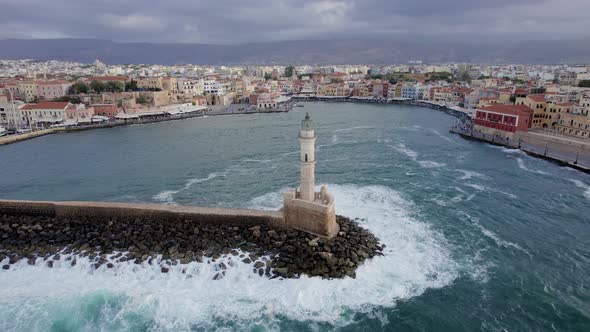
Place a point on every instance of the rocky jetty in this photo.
(271, 252)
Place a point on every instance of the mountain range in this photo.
(337, 51)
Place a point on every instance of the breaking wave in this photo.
(402, 148)
(584, 186)
(470, 174)
(167, 196)
(131, 297)
(437, 133)
(522, 166)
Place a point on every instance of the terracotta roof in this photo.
(537, 98)
(53, 82)
(50, 105)
(508, 109)
(27, 107)
(107, 78)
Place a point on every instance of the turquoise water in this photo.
(478, 237)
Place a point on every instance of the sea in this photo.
(478, 237)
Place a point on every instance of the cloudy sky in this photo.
(238, 21)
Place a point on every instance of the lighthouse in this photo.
(307, 159)
(305, 209)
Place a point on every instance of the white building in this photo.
(193, 87)
(45, 113)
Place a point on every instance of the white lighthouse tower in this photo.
(305, 209)
(307, 159)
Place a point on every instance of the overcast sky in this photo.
(238, 21)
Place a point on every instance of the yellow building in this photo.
(487, 101)
(537, 102)
(150, 83)
(29, 90)
(170, 84)
(336, 90)
(504, 97)
(574, 125)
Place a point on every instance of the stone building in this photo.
(305, 209)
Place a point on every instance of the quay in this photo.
(149, 117)
(561, 151)
(547, 150)
(455, 111)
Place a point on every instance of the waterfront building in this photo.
(108, 110)
(537, 102)
(46, 113)
(265, 100)
(503, 120)
(576, 125)
(414, 91)
(49, 90)
(75, 114)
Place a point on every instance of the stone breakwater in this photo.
(272, 252)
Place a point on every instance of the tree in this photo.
(131, 86)
(97, 86)
(465, 77)
(267, 76)
(77, 88)
(141, 100)
(584, 84)
(289, 71)
(518, 81)
(113, 86)
(69, 99)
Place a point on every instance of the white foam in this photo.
(430, 164)
(500, 242)
(497, 240)
(402, 148)
(507, 150)
(522, 166)
(483, 188)
(584, 186)
(335, 138)
(470, 174)
(476, 186)
(167, 196)
(353, 128)
(437, 133)
(416, 258)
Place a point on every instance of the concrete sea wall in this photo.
(17, 138)
(200, 215)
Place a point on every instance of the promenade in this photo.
(529, 143)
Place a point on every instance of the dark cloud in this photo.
(236, 21)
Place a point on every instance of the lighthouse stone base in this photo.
(317, 217)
